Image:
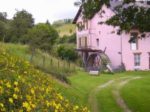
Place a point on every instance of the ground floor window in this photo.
(137, 59)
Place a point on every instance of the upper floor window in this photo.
(134, 41)
(137, 59)
(83, 25)
(80, 26)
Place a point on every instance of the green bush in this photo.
(67, 52)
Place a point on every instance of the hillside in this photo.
(20, 89)
(43, 61)
(66, 29)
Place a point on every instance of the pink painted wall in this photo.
(109, 39)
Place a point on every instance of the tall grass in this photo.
(44, 61)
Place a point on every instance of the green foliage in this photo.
(2, 30)
(3, 16)
(127, 18)
(91, 7)
(133, 17)
(128, 1)
(67, 39)
(21, 23)
(67, 52)
(42, 36)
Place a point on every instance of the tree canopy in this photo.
(22, 21)
(42, 36)
(128, 14)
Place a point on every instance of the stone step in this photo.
(93, 72)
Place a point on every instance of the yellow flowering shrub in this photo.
(25, 89)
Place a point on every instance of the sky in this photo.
(41, 10)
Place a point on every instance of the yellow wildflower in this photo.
(16, 89)
(8, 85)
(11, 100)
(27, 106)
(28, 97)
(76, 107)
(32, 91)
(15, 96)
(1, 90)
(21, 110)
(1, 105)
(16, 83)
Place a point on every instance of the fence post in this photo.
(43, 60)
(51, 62)
(58, 63)
(69, 64)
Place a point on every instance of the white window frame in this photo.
(137, 59)
(134, 45)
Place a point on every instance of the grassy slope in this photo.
(26, 89)
(52, 65)
(23, 52)
(65, 29)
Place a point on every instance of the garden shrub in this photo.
(67, 52)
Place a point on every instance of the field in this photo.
(118, 92)
(66, 29)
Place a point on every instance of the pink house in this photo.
(94, 37)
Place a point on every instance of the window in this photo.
(85, 24)
(137, 59)
(148, 2)
(134, 41)
(83, 42)
(80, 26)
(97, 41)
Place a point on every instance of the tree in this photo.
(42, 36)
(21, 23)
(2, 31)
(133, 16)
(129, 14)
(3, 16)
(91, 7)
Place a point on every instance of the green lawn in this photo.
(135, 93)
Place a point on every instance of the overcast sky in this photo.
(41, 10)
